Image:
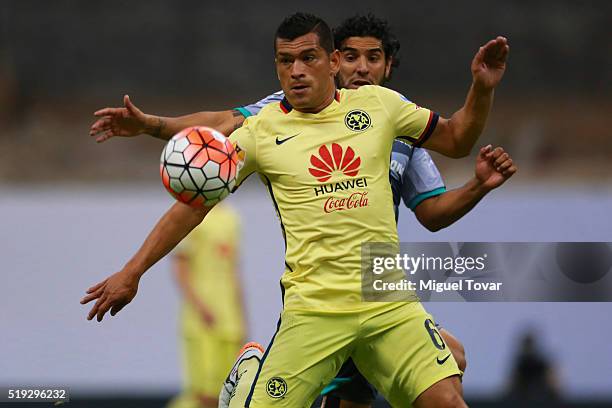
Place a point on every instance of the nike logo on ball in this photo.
(280, 142)
(443, 360)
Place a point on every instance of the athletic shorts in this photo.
(395, 346)
(350, 385)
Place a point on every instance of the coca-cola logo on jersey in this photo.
(355, 200)
(343, 163)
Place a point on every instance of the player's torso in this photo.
(328, 175)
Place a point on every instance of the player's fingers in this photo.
(99, 125)
(495, 153)
(502, 158)
(131, 107)
(504, 166)
(103, 309)
(484, 150)
(96, 306)
(510, 172)
(101, 139)
(117, 308)
(96, 286)
(92, 296)
(104, 136)
(506, 51)
(489, 46)
(108, 112)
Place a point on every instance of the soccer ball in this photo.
(199, 166)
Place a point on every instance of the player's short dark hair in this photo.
(369, 26)
(299, 24)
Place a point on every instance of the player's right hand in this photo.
(113, 294)
(127, 121)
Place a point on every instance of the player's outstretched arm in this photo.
(493, 168)
(119, 289)
(129, 121)
(455, 137)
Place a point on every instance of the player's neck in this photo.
(331, 94)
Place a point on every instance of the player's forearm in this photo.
(468, 122)
(166, 127)
(176, 223)
(439, 212)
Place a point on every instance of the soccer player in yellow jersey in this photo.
(212, 322)
(316, 138)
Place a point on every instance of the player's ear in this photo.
(388, 68)
(334, 59)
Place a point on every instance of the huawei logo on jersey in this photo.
(337, 160)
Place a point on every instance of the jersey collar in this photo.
(286, 106)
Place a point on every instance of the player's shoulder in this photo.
(269, 112)
(403, 148)
(271, 109)
(373, 94)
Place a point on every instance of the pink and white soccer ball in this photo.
(199, 166)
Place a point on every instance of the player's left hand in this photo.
(493, 167)
(113, 294)
(489, 63)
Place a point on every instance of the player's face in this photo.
(306, 72)
(362, 62)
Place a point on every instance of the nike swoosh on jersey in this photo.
(280, 142)
(443, 360)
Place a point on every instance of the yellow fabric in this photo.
(393, 349)
(212, 252)
(325, 220)
(207, 360)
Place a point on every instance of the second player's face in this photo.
(306, 72)
(362, 62)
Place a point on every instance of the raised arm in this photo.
(129, 121)
(455, 137)
(493, 168)
(119, 289)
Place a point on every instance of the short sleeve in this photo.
(245, 145)
(413, 124)
(254, 108)
(421, 179)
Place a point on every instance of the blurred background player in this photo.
(212, 323)
(534, 377)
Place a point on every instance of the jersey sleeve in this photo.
(421, 179)
(245, 145)
(254, 108)
(413, 124)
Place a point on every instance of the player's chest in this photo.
(309, 151)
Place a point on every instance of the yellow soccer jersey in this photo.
(212, 252)
(328, 176)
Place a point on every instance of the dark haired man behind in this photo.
(323, 268)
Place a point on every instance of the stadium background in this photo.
(72, 212)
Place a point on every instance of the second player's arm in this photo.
(130, 121)
(493, 168)
(224, 121)
(436, 213)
